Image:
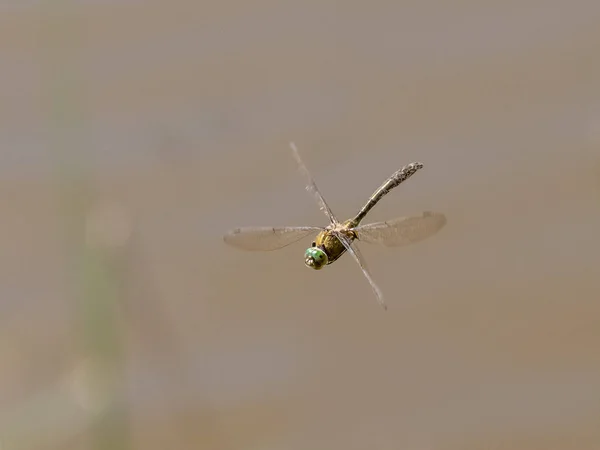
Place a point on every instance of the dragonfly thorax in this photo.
(315, 258)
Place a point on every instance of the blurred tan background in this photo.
(133, 134)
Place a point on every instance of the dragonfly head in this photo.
(315, 258)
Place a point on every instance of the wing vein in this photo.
(353, 250)
(401, 231)
(266, 238)
(312, 186)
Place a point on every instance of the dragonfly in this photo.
(337, 238)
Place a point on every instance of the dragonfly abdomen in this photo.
(396, 179)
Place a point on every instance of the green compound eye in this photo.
(315, 258)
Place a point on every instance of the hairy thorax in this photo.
(330, 244)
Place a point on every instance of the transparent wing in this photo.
(312, 186)
(266, 238)
(353, 250)
(401, 231)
